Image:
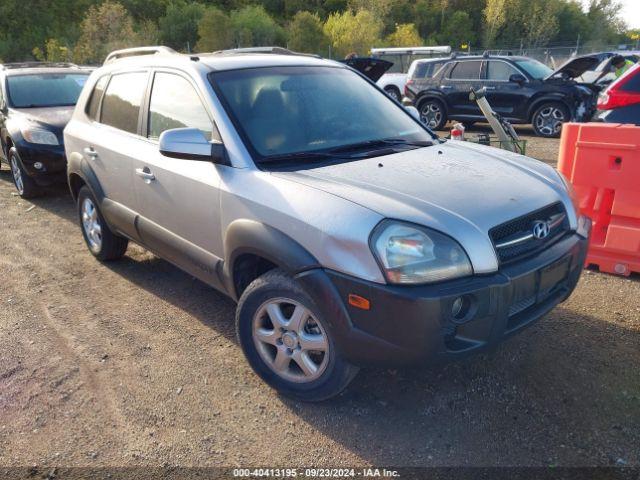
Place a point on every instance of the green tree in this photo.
(54, 52)
(306, 33)
(457, 30)
(253, 26)
(179, 26)
(105, 28)
(495, 18)
(405, 35)
(353, 32)
(147, 33)
(214, 31)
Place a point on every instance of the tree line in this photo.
(84, 31)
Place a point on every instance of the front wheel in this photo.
(25, 185)
(287, 341)
(547, 120)
(102, 242)
(432, 114)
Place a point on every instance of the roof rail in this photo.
(268, 50)
(14, 65)
(138, 51)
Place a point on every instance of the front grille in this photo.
(514, 240)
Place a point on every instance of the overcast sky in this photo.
(631, 12)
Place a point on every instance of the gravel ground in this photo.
(136, 363)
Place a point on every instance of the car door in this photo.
(464, 76)
(507, 98)
(178, 200)
(3, 122)
(110, 141)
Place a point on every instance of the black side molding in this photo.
(251, 237)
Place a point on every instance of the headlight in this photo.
(410, 254)
(572, 193)
(39, 135)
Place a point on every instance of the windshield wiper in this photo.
(385, 142)
(293, 157)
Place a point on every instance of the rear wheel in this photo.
(287, 342)
(25, 185)
(548, 118)
(432, 114)
(393, 92)
(102, 242)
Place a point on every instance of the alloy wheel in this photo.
(290, 340)
(91, 225)
(431, 115)
(549, 120)
(17, 175)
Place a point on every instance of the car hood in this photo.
(56, 117)
(575, 67)
(372, 68)
(461, 189)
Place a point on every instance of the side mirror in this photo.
(413, 111)
(191, 144)
(517, 78)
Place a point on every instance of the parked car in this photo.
(520, 89)
(36, 102)
(348, 233)
(595, 68)
(394, 80)
(620, 102)
(423, 69)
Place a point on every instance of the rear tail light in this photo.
(406, 87)
(616, 97)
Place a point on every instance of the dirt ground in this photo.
(136, 363)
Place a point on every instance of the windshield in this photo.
(534, 68)
(287, 110)
(45, 89)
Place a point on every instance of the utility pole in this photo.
(578, 44)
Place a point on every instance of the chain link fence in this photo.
(554, 56)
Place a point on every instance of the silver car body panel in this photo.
(459, 189)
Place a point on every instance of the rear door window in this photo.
(122, 100)
(466, 70)
(633, 83)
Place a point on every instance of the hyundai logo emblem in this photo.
(541, 230)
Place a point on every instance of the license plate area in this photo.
(534, 288)
(551, 276)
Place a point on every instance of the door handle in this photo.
(91, 153)
(446, 87)
(490, 88)
(145, 174)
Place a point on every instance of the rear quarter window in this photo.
(96, 97)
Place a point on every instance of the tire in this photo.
(548, 118)
(394, 93)
(273, 317)
(433, 114)
(101, 241)
(25, 185)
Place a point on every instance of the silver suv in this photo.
(347, 232)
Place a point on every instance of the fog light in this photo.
(460, 307)
(38, 165)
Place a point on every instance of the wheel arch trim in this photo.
(245, 236)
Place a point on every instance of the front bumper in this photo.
(52, 158)
(414, 324)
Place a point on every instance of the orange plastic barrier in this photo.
(602, 161)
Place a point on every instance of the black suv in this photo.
(36, 102)
(520, 89)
